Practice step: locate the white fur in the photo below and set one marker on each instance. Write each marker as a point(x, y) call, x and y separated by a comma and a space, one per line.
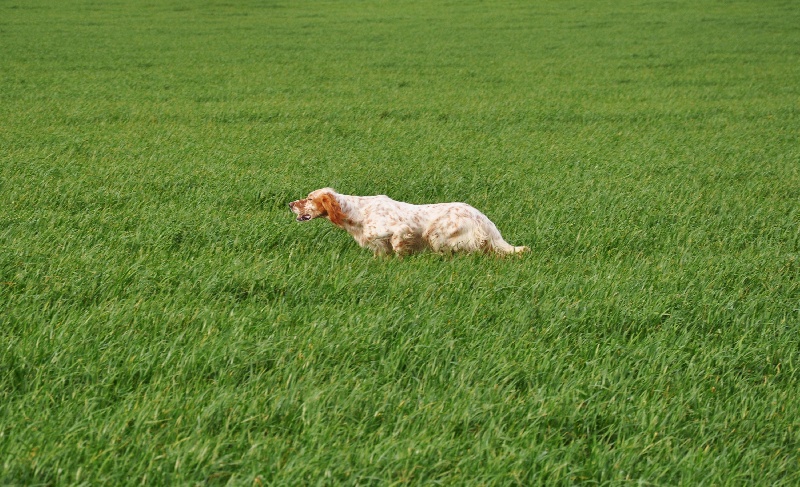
point(389, 227)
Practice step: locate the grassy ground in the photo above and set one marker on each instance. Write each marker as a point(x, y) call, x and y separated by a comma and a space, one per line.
point(163, 319)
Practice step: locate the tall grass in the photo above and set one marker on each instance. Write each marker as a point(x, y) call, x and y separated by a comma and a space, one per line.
point(164, 320)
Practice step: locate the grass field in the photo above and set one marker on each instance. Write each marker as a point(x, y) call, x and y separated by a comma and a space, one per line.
point(164, 320)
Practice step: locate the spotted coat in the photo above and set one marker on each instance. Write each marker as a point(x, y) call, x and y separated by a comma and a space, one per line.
point(389, 227)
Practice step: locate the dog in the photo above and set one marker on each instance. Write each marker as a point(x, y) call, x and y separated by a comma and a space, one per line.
point(389, 227)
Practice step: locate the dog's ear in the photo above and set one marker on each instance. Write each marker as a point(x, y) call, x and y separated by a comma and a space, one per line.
point(332, 208)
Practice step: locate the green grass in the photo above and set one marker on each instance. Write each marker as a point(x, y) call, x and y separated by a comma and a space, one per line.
point(163, 319)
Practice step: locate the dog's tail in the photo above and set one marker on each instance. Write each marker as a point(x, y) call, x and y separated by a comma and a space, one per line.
point(515, 250)
point(502, 247)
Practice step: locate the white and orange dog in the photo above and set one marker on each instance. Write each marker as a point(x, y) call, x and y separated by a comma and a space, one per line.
point(390, 227)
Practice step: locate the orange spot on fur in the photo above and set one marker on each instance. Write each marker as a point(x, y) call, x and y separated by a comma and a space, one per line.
point(332, 208)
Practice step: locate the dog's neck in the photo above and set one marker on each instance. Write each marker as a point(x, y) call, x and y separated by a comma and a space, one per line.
point(353, 220)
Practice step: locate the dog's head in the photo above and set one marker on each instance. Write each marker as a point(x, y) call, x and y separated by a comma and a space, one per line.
point(319, 203)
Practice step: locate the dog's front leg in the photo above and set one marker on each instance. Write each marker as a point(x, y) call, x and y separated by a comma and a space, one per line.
point(381, 247)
